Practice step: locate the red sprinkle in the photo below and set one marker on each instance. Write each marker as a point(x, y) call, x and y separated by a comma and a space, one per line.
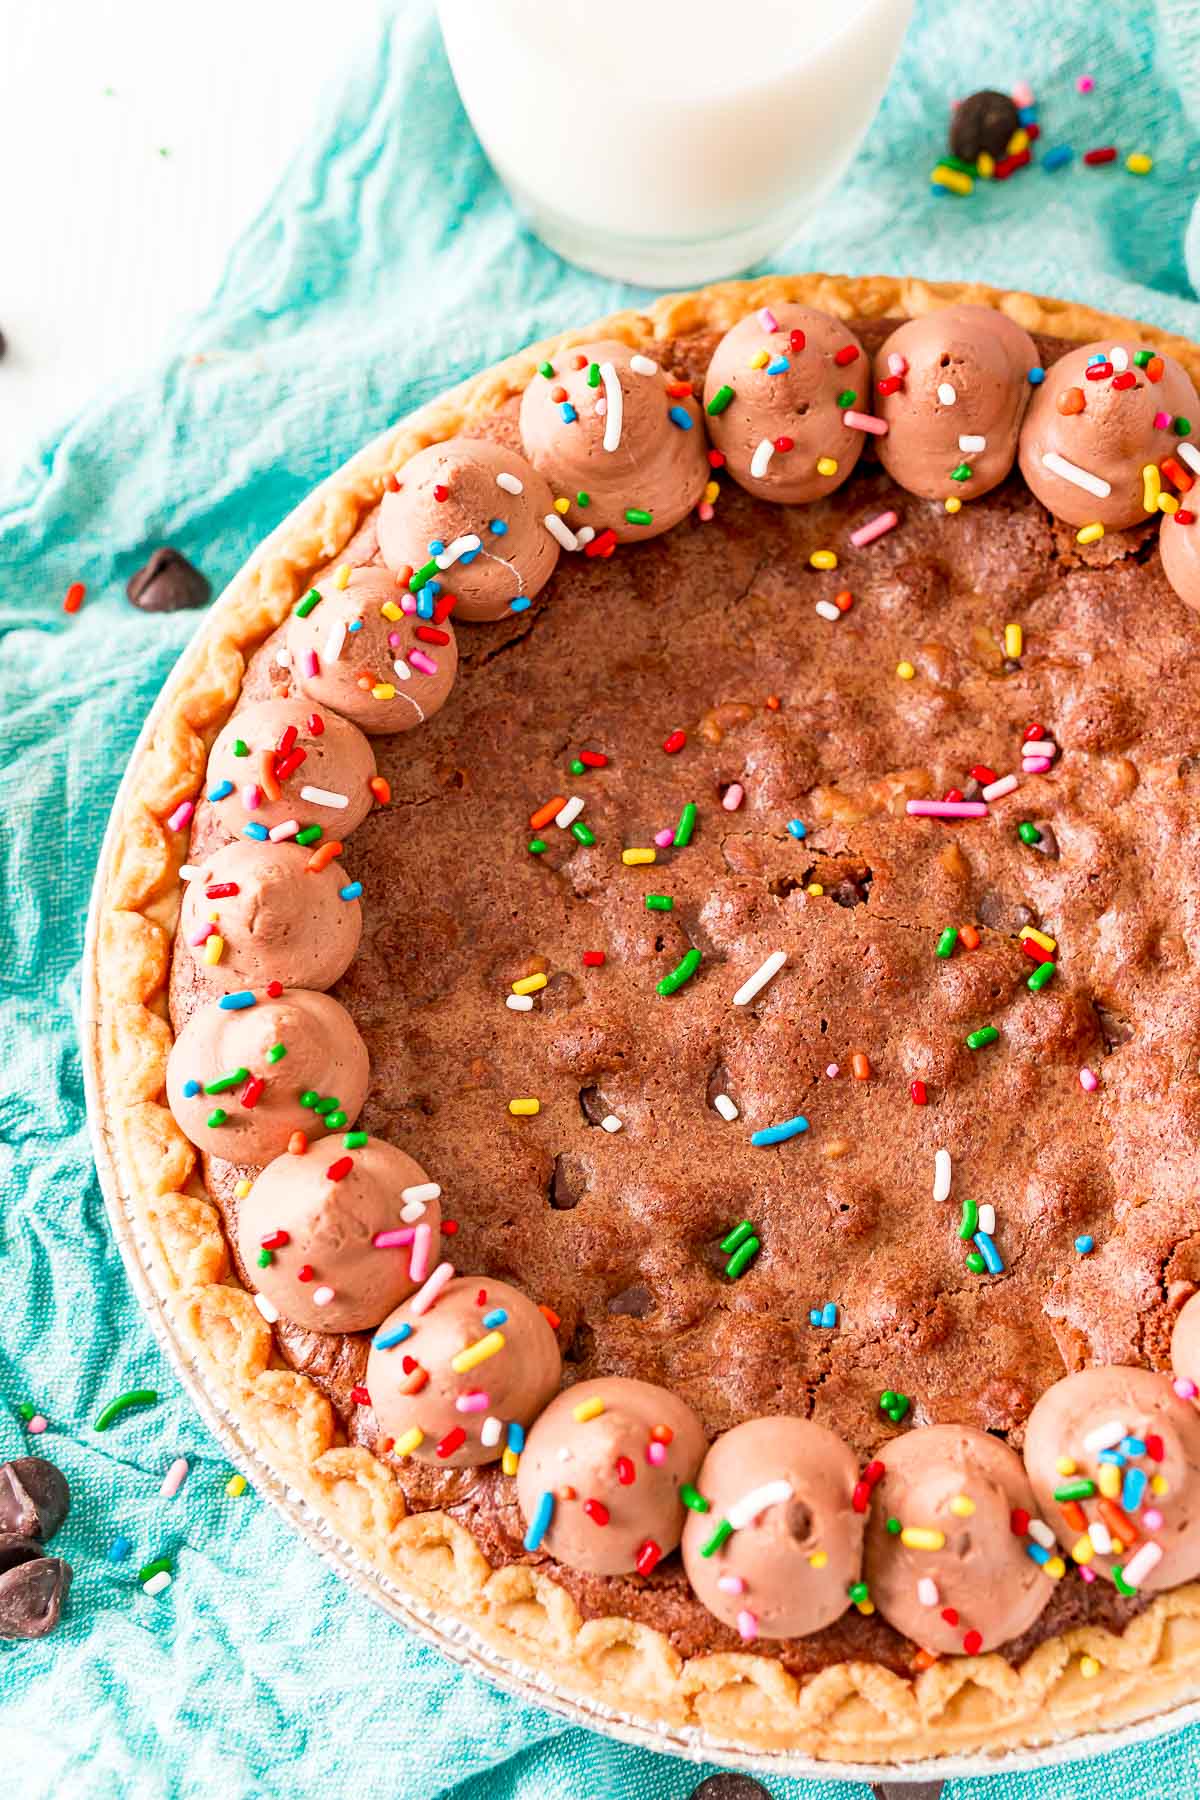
point(579, 361)
point(275, 1240)
point(551, 1317)
point(716, 459)
point(1154, 1447)
point(1031, 731)
point(784, 444)
point(393, 485)
point(954, 794)
point(337, 1171)
point(1018, 1521)
point(861, 1496)
point(440, 492)
point(648, 1557)
point(316, 725)
point(596, 1511)
point(1098, 371)
point(1183, 516)
point(593, 959)
point(75, 597)
point(429, 634)
point(481, 1297)
point(874, 1471)
point(1126, 379)
point(603, 545)
point(919, 1096)
point(593, 759)
point(1029, 948)
point(1009, 164)
point(1105, 154)
point(674, 743)
point(304, 1272)
point(679, 390)
point(252, 1092)
point(221, 890)
point(449, 1227)
point(274, 989)
point(287, 765)
point(443, 607)
point(359, 1396)
point(950, 1614)
point(286, 740)
point(846, 355)
point(982, 773)
point(891, 384)
point(1033, 132)
point(626, 1473)
point(453, 1440)
point(973, 1643)
point(796, 341)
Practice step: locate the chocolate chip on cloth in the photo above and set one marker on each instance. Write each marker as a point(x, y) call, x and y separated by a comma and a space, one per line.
point(34, 1498)
point(168, 583)
point(728, 1786)
point(33, 1587)
point(984, 122)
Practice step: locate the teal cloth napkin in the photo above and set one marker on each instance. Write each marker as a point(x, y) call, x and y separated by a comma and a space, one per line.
point(387, 265)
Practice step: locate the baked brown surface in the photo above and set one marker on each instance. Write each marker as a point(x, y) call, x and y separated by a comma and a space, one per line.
point(612, 656)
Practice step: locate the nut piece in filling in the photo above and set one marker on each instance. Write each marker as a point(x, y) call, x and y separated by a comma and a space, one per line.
point(1114, 1457)
point(1102, 433)
point(335, 1238)
point(779, 1545)
point(459, 1372)
point(785, 396)
point(259, 913)
point(250, 1070)
point(947, 1555)
point(615, 1457)
point(368, 652)
point(281, 766)
point(952, 388)
point(618, 438)
point(1179, 547)
point(472, 516)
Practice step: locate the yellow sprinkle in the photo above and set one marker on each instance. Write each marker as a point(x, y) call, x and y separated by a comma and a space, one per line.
point(1014, 641)
point(509, 1461)
point(1109, 1480)
point(242, 1188)
point(827, 465)
point(818, 1559)
point(524, 1109)
point(631, 857)
point(562, 504)
point(1018, 141)
point(760, 359)
point(384, 690)
point(1090, 534)
point(1056, 1568)
point(1159, 1485)
point(1151, 487)
point(391, 611)
point(404, 1446)
point(213, 948)
point(1065, 1465)
point(1139, 163)
point(474, 1354)
point(1118, 1544)
point(235, 1485)
point(985, 165)
point(529, 984)
point(587, 1409)
point(815, 889)
point(1088, 1666)
point(342, 578)
point(905, 671)
point(922, 1537)
point(953, 504)
point(1168, 503)
point(954, 179)
point(1084, 1550)
point(823, 559)
point(865, 1607)
point(712, 490)
point(962, 1506)
point(1047, 943)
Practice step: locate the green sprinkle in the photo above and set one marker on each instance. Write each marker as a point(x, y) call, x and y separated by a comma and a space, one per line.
point(637, 515)
point(26, 1411)
point(161, 1567)
point(1082, 1489)
point(858, 1591)
point(546, 369)
point(216, 1117)
point(723, 1532)
point(583, 834)
point(693, 1499)
point(970, 1221)
point(335, 1120)
point(1028, 832)
point(719, 401)
point(737, 1236)
point(683, 971)
point(947, 941)
point(894, 1527)
point(1142, 357)
point(240, 747)
point(311, 599)
point(1182, 427)
point(593, 375)
point(1120, 1583)
point(583, 498)
point(223, 1083)
point(327, 1105)
point(846, 398)
point(420, 576)
point(536, 846)
point(962, 473)
point(577, 768)
point(741, 1259)
point(355, 1140)
point(265, 1259)
point(309, 1097)
point(659, 903)
point(1042, 975)
point(135, 1397)
point(276, 1053)
point(685, 827)
point(987, 1034)
point(975, 1262)
point(956, 162)
point(309, 835)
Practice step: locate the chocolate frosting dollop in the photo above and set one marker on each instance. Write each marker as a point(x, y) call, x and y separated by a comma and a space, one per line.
point(1104, 431)
point(786, 1485)
point(783, 434)
point(614, 1453)
point(960, 1486)
point(323, 1060)
point(34, 1497)
point(618, 436)
point(471, 489)
point(325, 756)
point(958, 402)
point(1179, 547)
point(1125, 1428)
point(330, 1205)
point(500, 1395)
point(361, 652)
point(286, 921)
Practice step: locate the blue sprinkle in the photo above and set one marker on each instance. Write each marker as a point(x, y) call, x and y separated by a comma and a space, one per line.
point(425, 602)
point(942, 193)
point(569, 417)
point(539, 1525)
point(1027, 115)
point(435, 587)
point(989, 1253)
point(468, 556)
point(436, 546)
point(190, 1089)
point(1035, 377)
point(1098, 358)
point(236, 1002)
point(680, 416)
point(1132, 1489)
point(1112, 1456)
point(797, 828)
point(1058, 158)
point(120, 1547)
point(1086, 1244)
point(256, 831)
point(351, 891)
point(496, 1317)
point(1133, 1446)
point(779, 1134)
point(388, 1342)
point(355, 625)
point(222, 790)
point(814, 1315)
point(1038, 1552)
point(520, 603)
point(780, 366)
point(516, 1436)
point(498, 528)
point(829, 1315)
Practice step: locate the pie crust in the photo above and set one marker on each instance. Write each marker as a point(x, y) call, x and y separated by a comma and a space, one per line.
point(851, 1712)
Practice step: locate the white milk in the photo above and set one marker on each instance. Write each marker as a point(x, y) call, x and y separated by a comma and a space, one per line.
point(670, 141)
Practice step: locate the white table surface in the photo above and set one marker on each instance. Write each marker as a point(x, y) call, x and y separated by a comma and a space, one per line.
point(105, 242)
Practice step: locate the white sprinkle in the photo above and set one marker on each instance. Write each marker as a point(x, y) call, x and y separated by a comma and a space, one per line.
point(585, 534)
point(897, 364)
point(1101, 1537)
point(289, 829)
point(461, 546)
point(283, 657)
point(335, 642)
point(322, 1296)
point(421, 1190)
point(1119, 358)
point(612, 410)
point(562, 532)
point(512, 484)
point(1142, 1562)
point(412, 1212)
point(996, 790)
point(827, 610)
point(1041, 1534)
point(744, 1511)
point(1040, 747)
point(324, 797)
point(946, 394)
point(489, 1434)
point(157, 1583)
point(174, 1479)
point(519, 1002)
point(941, 1174)
point(970, 446)
point(760, 978)
point(1190, 455)
point(927, 1592)
point(733, 796)
point(761, 458)
point(641, 365)
point(569, 813)
point(987, 1218)
point(1106, 1436)
point(402, 669)
point(191, 872)
point(611, 1123)
point(1080, 478)
point(267, 1308)
point(725, 1107)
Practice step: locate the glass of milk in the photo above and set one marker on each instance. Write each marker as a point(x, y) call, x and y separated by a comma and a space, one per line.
point(670, 141)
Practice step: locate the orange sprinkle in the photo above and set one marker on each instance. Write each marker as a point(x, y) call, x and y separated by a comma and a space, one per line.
point(393, 484)
point(566, 1492)
point(1118, 1522)
point(1071, 400)
point(404, 575)
point(74, 598)
point(323, 855)
point(381, 789)
point(1074, 1514)
point(544, 814)
point(844, 601)
point(551, 1317)
point(860, 1066)
point(416, 1381)
point(1154, 369)
point(773, 702)
point(662, 1434)
point(266, 775)
point(297, 1144)
point(679, 390)
point(969, 937)
point(1175, 473)
point(924, 1659)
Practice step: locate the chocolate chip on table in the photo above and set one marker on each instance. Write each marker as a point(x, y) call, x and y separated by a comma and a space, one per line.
point(34, 1497)
point(31, 1594)
point(985, 121)
point(730, 1787)
point(168, 583)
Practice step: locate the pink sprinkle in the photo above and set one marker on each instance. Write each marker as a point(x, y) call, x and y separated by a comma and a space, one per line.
point(322, 1296)
point(394, 640)
point(1152, 1519)
point(38, 1424)
point(1185, 1389)
point(290, 828)
point(311, 665)
point(1035, 765)
point(424, 1298)
point(408, 603)
point(175, 1477)
point(392, 1240)
point(663, 838)
point(947, 809)
point(747, 1626)
point(731, 1584)
point(1087, 1081)
point(874, 528)
point(182, 815)
point(419, 660)
point(1161, 421)
point(733, 797)
point(864, 422)
point(1085, 84)
point(767, 319)
point(1086, 1574)
point(656, 1453)
point(418, 1262)
point(705, 510)
point(251, 796)
point(1022, 94)
point(897, 364)
point(202, 936)
point(475, 1401)
point(832, 1070)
